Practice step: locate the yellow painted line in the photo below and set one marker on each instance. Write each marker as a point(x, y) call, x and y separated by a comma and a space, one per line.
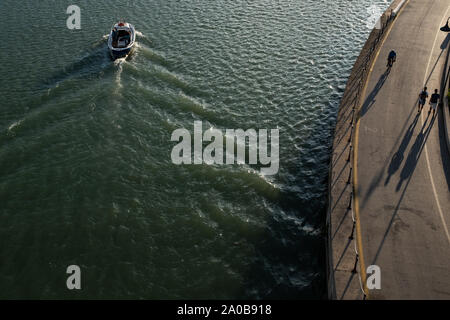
point(355, 160)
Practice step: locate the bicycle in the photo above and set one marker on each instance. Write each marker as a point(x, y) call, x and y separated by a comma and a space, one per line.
point(390, 62)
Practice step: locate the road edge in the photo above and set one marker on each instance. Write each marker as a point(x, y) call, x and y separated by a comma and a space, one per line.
point(445, 100)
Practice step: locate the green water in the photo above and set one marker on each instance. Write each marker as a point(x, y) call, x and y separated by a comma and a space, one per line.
point(86, 176)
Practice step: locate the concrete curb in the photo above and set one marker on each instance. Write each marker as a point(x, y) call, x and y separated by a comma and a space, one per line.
point(397, 9)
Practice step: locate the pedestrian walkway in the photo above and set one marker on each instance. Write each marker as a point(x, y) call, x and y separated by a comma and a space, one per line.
point(403, 176)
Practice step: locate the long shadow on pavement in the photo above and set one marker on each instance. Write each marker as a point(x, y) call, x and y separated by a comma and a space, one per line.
point(414, 153)
point(443, 147)
point(444, 43)
point(376, 180)
point(370, 100)
point(443, 46)
point(398, 157)
point(441, 125)
point(406, 174)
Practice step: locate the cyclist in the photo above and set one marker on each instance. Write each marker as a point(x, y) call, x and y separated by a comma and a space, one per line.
point(391, 58)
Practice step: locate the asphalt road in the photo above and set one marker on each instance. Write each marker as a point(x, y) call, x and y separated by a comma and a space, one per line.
point(403, 164)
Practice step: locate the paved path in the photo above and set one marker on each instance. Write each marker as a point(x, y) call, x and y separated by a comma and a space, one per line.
point(403, 163)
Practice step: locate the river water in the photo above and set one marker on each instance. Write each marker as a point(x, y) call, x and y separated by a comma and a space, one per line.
point(86, 176)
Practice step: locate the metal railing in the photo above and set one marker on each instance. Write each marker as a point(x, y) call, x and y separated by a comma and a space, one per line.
point(360, 76)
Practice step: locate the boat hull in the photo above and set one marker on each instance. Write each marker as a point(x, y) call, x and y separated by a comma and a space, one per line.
point(121, 52)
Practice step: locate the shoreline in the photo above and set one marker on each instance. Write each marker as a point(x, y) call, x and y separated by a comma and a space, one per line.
point(341, 262)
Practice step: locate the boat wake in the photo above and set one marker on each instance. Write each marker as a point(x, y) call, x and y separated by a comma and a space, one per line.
point(91, 64)
point(119, 64)
point(151, 54)
point(143, 38)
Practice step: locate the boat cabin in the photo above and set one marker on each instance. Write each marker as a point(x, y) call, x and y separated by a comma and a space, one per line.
point(121, 36)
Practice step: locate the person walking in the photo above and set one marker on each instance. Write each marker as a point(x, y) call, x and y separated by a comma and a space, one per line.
point(434, 101)
point(422, 99)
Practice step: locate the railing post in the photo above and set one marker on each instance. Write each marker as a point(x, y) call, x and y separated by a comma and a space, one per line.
point(350, 137)
point(353, 230)
point(356, 263)
point(350, 176)
point(350, 155)
point(349, 207)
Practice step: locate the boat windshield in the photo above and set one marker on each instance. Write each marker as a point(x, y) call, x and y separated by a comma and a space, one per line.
point(121, 38)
